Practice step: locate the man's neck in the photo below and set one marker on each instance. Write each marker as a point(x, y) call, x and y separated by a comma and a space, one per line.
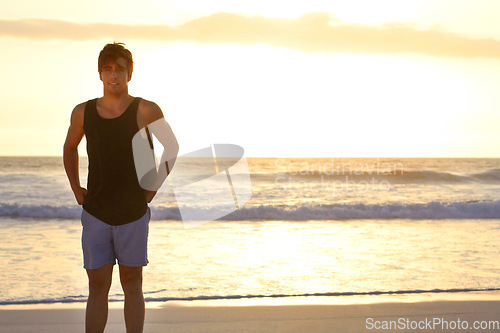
point(116, 100)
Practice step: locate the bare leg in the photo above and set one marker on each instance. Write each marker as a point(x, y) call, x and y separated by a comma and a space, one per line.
point(96, 315)
point(131, 280)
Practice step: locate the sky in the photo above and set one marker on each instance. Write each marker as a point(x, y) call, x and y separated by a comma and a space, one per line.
point(318, 78)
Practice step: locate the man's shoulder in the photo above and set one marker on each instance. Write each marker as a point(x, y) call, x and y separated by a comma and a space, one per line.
point(78, 112)
point(149, 106)
point(149, 110)
point(80, 107)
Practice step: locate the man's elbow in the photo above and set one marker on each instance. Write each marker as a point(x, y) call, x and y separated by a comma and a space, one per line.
point(69, 148)
point(176, 148)
point(172, 150)
point(172, 156)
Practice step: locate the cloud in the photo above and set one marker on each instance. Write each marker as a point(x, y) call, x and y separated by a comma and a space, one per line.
point(311, 33)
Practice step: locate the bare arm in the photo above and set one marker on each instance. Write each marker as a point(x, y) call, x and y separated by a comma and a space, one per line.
point(149, 113)
point(70, 152)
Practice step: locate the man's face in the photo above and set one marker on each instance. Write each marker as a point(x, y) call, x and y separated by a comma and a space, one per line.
point(114, 75)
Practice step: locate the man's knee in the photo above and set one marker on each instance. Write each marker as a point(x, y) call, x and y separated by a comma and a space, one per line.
point(131, 279)
point(100, 279)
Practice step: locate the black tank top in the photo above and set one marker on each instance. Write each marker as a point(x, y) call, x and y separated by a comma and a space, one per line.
point(114, 195)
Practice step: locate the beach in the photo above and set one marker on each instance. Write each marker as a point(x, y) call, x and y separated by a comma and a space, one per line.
point(322, 246)
point(305, 166)
point(438, 313)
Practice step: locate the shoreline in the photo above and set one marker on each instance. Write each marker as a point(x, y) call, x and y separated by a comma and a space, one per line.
point(287, 300)
point(483, 295)
point(301, 314)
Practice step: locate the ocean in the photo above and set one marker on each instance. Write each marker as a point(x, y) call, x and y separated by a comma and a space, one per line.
point(313, 226)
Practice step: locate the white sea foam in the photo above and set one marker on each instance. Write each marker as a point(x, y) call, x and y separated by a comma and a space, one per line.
point(432, 210)
point(119, 298)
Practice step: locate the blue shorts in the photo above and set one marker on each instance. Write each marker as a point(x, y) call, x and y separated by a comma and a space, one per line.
point(103, 243)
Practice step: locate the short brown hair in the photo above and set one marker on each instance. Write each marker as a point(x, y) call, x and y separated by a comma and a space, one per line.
point(113, 51)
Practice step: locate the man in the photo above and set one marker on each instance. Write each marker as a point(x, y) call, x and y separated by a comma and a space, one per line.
point(115, 213)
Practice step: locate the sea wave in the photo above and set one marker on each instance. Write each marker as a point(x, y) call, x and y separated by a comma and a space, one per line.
point(393, 176)
point(119, 298)
point(431, 210)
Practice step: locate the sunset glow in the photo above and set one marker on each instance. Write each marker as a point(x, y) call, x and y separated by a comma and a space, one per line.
point(322, 78)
